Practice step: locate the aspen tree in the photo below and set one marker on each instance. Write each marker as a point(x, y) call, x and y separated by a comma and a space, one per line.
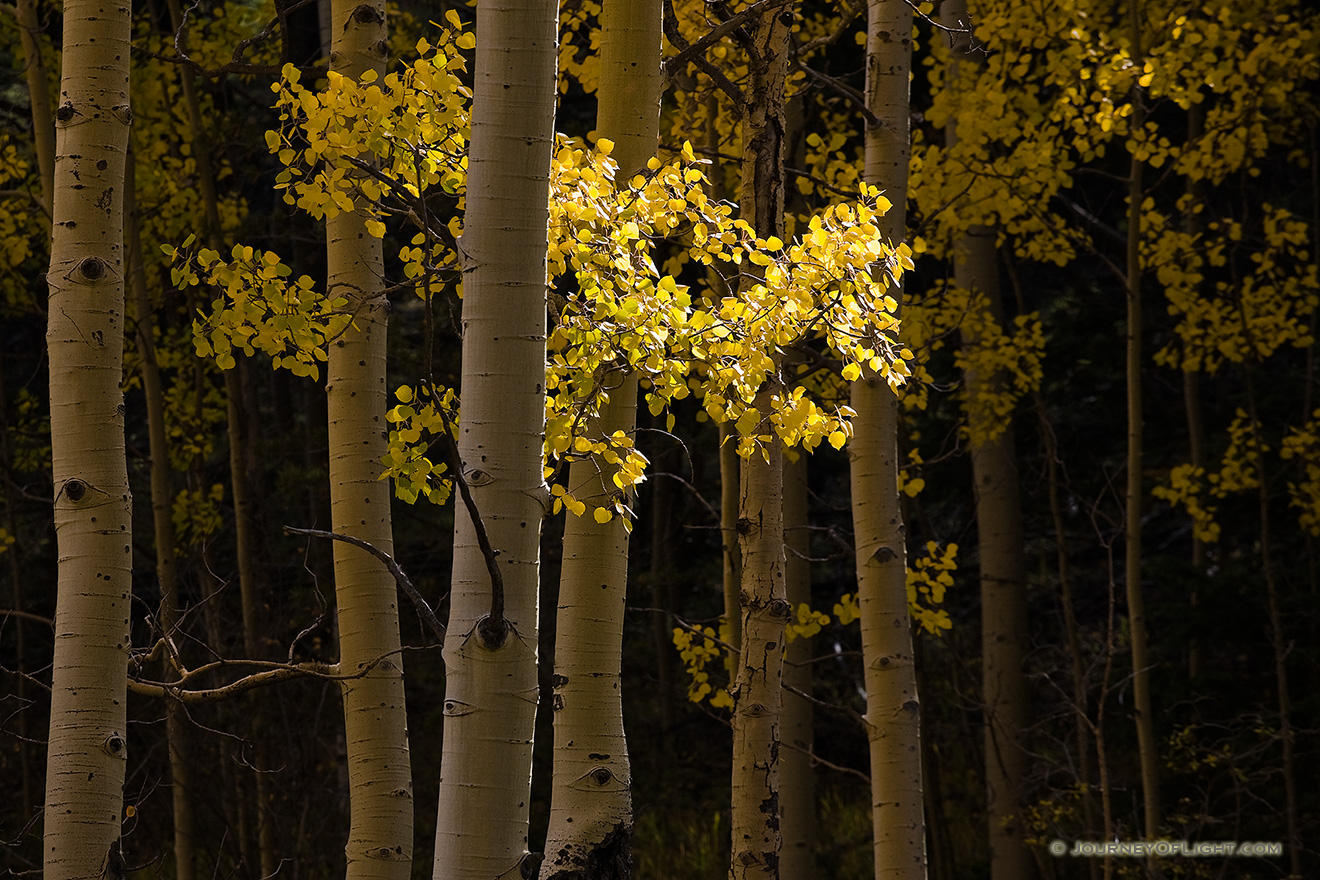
point(998, 529)
point(43, 123)
point(1142, 713)
point(591, 801)
point(162, 517)
point(757, 689)
point(490, 648)
point(892, 711)
point(380, 836)
point(87, 746)
point(242, 452)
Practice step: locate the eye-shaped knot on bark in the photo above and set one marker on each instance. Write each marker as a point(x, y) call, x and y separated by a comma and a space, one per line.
point(115, 745)
point(756, 710)
point(366, 14)
point(123, 113)
point(478, 477)
point(75, 490)
point(89, 270)
point(598, 779)
point(780, 610)
point(66, 113)
point(458, 707)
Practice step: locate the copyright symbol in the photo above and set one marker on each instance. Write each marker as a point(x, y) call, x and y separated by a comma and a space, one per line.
point(1058, 848)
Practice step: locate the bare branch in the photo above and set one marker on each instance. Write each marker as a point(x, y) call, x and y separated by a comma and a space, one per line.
point(717, 76)
point(427, 613)
point(715, 34)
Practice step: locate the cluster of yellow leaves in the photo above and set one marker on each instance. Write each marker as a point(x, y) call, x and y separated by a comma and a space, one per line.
point(1303, 445)
point(196, 514)
point(411, 127)
point(389, 146)
point(697, 653)
point(6, 540)
point(1245, 319)
point(407, 460)
point(579, 45)
point(927, 582)
point(805, 623)
point(1191, 487)
point(257, 308)
point(1001, 368)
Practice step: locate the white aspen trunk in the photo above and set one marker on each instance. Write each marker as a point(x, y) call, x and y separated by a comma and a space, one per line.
point(380, 836)
point(892, 712)
point(490, 651)
point(797, 782)
point(757, 838)
point(591, 800)
point(87, 746)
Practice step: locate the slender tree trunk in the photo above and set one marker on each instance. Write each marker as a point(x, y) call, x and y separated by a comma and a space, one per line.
point(241, 451)
point(892, 711)
point(1192, 396)
point(1141, 702)
point(490, 649)
point(797, 779)
point(22, 724)
point(38, 82)
point(162, 513)
point(87, 746)
point(999, 538)
point(590, 834)
point(1003, 588)
point(380, 837)
point(757, 690)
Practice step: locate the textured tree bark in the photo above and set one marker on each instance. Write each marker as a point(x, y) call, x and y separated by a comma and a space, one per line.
point(892, 712)
point(380, 837)
point(758, 685)
point(797, 779)
point(490, 652)
point(87, 746)
point(590, 833)
point(162, 513)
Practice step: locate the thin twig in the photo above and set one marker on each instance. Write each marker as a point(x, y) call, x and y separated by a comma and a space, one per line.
point(423, 609)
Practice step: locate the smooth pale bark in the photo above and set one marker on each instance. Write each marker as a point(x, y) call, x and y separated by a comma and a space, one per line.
point(492, 689)
point(758, 684)
point(892, 712)
point(591, 801)
point(87, 746)
point(797, 779)
point(380, 837)
point(167, 573)
point(1142, 714)
point(591, 804)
